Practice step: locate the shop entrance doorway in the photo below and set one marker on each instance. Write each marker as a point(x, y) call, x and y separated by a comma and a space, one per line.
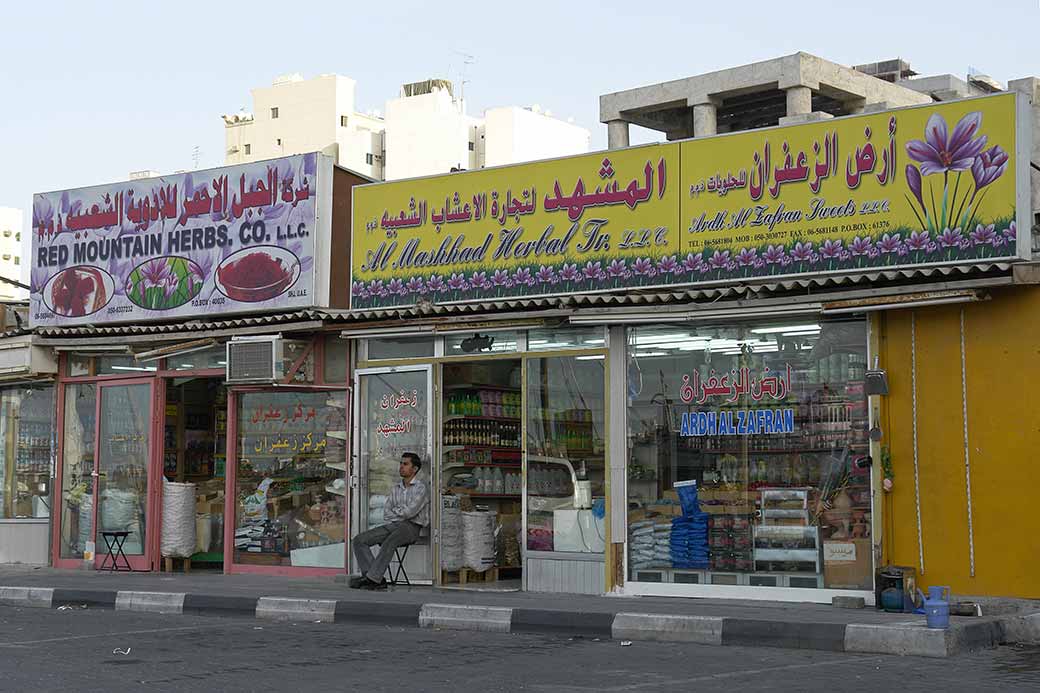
point(195, 452)
point(481, 474)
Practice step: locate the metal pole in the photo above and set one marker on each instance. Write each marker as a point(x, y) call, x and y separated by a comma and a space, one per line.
point(967, 457)
point(917, 477)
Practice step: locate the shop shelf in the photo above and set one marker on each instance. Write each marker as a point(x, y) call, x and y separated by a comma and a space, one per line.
point(475, 386)
point(448, 448)
point(501, 465)
point(458, 490)
point(338, 435)
point(342, 466)
point(468, 417)
point(337, 491)
point(337, 403)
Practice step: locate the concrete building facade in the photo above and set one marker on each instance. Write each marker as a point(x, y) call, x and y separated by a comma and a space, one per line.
point(11, 220)
point(426, 129)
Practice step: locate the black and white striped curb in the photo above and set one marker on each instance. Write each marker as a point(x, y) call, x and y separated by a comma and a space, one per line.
point(909, 638)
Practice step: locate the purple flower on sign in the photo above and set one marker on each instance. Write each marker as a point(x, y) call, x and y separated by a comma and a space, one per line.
point(831, 249)
point(668, 265)
point(845, 255)
point(415, 285)
point(643, 267)
point(594, 270)
point(546, 275)
point(376, 288)
point(989, 166)
point(502, 278)
point(617, 269)
point(873, 253)
point(785, 261)
point(38, 277)
point(693, 262)
point(917, 240)
point(1011, 231)
point(435, 284)
point(801, 251)
point(889, 243)
point(965, 243)
point(129, 286)
point(932, 246)
point(747, 257)
point(154, 272)
point(480, 280)
point(569, 272)
point(998, 241)
point(861, 246)
point(950, 238)
point(364, 292)
point(983, 235)
point(941, 152)
point(902, 250)
point(719, 259)
point(731, 265)
point(774, 254)
point(523, 277)
point(170, 284)
point(396, 287)
point(355, 288)
point(458, 282)
point(913, 180)
point(759, 263)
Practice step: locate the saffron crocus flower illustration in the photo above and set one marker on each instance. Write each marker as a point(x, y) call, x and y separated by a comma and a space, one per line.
point(617, 269)
point(480, 280)
point(918, 240)
point(38, 277)
point(569, 272)
point(889, 243)
point(415, 285)
point(989, 166)
point(643, 267)
point(941, 151)
point(719, 259)
point(983, 235)
point(545, 275)
point(1011, 231)
point(802, 251)
point(355, 288)
point(170, 285)
point(435, 284)
point(502, 278)
point(913, 181)
point(154, 272)
point(594, 270)
point(774, 254)
point(668, 265)
point(376, 288)
point(830, 249)
point(523, 277)
point(396, 287)
point(457, 282)
point(759, 263)
point(845, 255)
point(950, 238)
point(746, 257)
point(861, 246)
point(693, 262)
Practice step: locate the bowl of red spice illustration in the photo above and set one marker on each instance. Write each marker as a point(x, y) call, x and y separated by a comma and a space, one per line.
point(78, 291)
point(258, 274)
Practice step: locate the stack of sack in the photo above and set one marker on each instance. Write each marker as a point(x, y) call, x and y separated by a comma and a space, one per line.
point(689, 538)
point(663, 544)
point(478, 540)
point(451, 533)
point(641, 544)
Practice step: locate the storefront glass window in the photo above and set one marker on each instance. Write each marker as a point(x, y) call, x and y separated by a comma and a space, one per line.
point(480, 343)
point(290, 481)
point(124, 437)
point(385, 348)
point(122, 365)
point(336, 355)
point(566, 442)
point(743, 449)
point(214, 357)
point(77, 485)
point(26, 425)
point(569, 338)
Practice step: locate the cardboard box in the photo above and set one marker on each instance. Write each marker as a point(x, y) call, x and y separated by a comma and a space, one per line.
point(847, 564)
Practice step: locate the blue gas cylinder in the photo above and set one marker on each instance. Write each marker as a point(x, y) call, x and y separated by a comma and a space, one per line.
point(937, 607)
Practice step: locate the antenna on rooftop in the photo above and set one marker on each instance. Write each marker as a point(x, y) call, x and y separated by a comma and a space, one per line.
point(467, 60)
point(196, 154)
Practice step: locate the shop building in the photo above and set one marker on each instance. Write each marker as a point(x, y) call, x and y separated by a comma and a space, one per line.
point(710, 370)
point(201, 402)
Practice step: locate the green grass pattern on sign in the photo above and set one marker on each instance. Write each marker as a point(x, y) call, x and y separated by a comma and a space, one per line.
point(141, 293)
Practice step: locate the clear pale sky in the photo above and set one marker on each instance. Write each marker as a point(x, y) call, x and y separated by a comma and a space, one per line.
point(91, 91)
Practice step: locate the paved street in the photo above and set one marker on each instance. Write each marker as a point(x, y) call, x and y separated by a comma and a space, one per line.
point(83, 650)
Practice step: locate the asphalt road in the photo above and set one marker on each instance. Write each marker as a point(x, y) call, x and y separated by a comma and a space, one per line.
point(100, 650)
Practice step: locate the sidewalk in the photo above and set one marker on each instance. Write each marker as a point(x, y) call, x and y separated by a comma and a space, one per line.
point(708, 621)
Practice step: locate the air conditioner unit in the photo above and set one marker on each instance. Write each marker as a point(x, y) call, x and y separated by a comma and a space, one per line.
point(258, 359)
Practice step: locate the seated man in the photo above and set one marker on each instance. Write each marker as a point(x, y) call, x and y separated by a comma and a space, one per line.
point(406, 512)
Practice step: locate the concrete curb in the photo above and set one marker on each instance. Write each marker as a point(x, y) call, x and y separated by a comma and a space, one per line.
point(900, 638)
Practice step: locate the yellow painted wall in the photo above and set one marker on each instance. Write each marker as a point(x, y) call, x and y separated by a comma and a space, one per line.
point(1002, 347)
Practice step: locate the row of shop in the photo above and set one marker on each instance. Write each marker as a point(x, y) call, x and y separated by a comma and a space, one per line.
point(610, 390)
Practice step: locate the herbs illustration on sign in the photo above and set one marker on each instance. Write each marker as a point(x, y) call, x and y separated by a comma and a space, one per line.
point(164, 282)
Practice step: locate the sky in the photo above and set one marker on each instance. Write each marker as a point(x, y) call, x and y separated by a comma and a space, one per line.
point(92, 91)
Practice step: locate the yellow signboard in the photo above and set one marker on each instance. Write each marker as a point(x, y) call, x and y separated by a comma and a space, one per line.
point(582, 223)
point(926, 185)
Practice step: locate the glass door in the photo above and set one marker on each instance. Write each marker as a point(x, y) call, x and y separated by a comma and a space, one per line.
point(122, 479)
point(394, 409)
point(566, 441)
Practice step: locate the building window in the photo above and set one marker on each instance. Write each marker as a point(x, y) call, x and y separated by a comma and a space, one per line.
point(18, 236)
point(369, 159)
point(278, 141)
point(343, 121)
point(274, 113)
point(17, 260)
point(471, 146)
point(27, 425)
point(7, 233)
point(247, 150)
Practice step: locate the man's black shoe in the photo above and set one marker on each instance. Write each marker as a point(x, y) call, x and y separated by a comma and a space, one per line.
point(368, 584)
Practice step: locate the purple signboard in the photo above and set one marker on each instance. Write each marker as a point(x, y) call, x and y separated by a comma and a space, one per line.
point(236, 239)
